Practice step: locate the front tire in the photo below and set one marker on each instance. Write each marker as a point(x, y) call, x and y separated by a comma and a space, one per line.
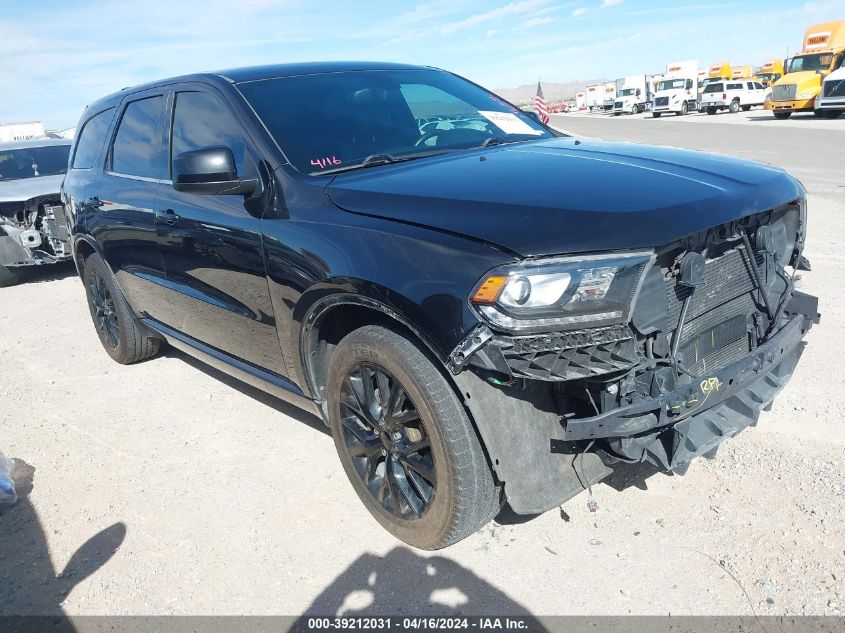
point(746, 108)
point(119, 331)
point(8, 277)
point(405, 441)
point(656, 115)
point(780, 115)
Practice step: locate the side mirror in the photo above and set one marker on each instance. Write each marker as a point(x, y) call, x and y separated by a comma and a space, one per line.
point(639, 92)
point(533, 114)
point(210, 171)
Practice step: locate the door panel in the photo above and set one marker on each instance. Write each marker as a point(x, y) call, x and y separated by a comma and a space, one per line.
point(121, 207)
point(212, 246)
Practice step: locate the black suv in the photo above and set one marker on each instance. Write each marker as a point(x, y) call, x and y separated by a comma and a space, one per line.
point(480, 308)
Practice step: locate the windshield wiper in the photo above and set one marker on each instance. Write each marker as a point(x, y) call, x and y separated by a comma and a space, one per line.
point(374, 160)
point(493, 140)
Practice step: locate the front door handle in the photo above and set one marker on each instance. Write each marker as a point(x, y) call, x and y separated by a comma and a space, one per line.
point(167, 216)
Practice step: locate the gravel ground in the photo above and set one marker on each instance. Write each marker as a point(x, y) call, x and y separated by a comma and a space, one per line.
point(169, 488)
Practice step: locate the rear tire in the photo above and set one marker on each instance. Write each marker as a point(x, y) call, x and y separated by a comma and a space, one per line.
point(782, 116)
point(733, 108)
point(375, 427)
point(656, 115)
point(711, 110)
point(120, 333)
point(746, 108)
point(8, 277)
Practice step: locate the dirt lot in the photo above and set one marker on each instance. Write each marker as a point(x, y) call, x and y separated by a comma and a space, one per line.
point(199, 495)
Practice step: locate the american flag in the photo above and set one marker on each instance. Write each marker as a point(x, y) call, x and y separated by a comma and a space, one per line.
point(540, 106)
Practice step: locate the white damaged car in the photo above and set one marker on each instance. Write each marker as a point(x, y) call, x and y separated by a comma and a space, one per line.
point(33, 228)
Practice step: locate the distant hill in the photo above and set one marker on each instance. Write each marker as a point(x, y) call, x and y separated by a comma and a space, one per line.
point(552, 91)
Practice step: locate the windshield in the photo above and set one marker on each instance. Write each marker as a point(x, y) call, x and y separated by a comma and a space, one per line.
point(628, 92)
point(713, 88)
point(671, 84)
point(768, 77)
point(30, 162)
point(819, 61)
point(327, 122)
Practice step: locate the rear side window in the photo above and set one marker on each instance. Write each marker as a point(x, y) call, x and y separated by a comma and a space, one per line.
point(202, 120)
point(714, 88)
point(734, 86)
point(137, 145)
point(91, 139)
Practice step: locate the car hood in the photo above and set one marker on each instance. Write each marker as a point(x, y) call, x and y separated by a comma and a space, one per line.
point(26, 188)
point(566, 195)
point(836, 75)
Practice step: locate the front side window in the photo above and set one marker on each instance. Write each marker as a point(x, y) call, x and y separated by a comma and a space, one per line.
point(202, 120)
point(137, 145)
point(91, 139)
point(32, 162)
point(326, 122)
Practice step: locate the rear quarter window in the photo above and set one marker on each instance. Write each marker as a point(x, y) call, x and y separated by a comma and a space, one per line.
point(714, 88)
point(136, 150)
point(91, 139)
point(734, 86)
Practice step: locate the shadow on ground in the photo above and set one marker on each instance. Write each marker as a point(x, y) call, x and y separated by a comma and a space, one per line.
point(29, 584)
point(45, 273)
point(404, 583)
point(248, 390)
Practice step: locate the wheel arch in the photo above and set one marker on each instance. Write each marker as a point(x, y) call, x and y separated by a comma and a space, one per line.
point(83, 248)
point(335, 316)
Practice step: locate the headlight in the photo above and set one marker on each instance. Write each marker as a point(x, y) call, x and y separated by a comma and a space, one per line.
point(562, 292)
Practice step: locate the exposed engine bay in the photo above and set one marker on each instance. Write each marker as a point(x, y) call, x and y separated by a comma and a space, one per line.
point(33, 232)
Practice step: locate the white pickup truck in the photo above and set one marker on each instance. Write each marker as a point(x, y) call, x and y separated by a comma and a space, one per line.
point(732, 95)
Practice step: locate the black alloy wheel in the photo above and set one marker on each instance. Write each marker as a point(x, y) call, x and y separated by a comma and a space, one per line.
point(387, 441)
point(103, 311)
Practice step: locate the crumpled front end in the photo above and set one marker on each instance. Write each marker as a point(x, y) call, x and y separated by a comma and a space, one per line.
point(715, 331)
point(33, 231)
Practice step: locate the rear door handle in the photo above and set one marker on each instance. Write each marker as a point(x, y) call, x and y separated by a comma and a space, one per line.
point(167, 216)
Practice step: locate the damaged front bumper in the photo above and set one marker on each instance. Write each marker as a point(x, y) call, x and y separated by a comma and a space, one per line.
point(545, 456)
point(676, 427)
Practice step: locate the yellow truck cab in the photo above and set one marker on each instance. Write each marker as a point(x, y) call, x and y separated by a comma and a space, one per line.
point(769, 72)
point(741, 72)
point(796, 91)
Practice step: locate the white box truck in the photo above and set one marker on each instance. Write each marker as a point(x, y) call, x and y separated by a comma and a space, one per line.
point(11, 132)
point(608, 95)
point(580, 100)
point(633, 97)
point(593, 96)
point(677, 92)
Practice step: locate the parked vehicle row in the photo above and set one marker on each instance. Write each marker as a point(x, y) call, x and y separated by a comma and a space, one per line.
point(797, 85)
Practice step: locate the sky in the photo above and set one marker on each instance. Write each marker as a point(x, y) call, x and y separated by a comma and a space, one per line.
point(58, 56)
